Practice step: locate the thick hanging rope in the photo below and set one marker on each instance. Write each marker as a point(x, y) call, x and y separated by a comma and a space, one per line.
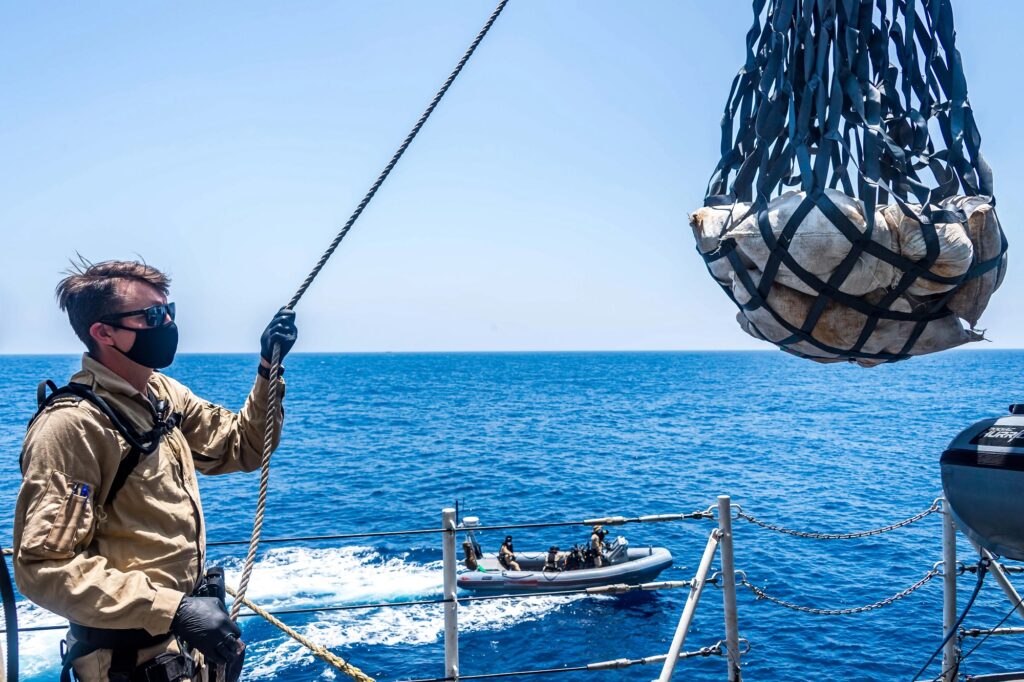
point(275, 368)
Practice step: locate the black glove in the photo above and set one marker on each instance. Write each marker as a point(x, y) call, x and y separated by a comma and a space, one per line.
point(233, 670)
point(204, 623)
point(282, 331)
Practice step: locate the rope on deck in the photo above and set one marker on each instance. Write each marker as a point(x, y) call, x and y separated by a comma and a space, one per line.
point(317, 650)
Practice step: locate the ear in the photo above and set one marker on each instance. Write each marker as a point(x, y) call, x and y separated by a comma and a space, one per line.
point(102, 334)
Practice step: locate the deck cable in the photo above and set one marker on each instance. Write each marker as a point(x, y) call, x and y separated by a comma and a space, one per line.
point(716, 649)
point(604, 521)
point(275, 362)
point(620, 588)
point(983, 564)
point(986, 635)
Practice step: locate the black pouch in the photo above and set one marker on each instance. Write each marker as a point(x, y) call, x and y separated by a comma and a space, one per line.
point(167, 667)
point(212, 585)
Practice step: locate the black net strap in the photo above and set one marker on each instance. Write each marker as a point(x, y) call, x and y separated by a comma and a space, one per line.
point(848, 95)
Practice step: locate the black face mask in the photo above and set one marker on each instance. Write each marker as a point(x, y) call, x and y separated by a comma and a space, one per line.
point(154, 347)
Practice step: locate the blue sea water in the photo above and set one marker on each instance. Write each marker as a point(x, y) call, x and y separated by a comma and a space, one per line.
point(385, 441)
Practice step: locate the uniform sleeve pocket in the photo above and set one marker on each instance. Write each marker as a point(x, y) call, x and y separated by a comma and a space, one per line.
point(62, 520)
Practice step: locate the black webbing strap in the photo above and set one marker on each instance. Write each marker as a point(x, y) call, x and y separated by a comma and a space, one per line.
point(125, 646)
point(842, 94)
point(139, 444)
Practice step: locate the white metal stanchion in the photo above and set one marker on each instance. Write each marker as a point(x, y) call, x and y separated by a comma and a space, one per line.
point(696, 587)
point(451, 607)
point(950, 652)
point(728, 577)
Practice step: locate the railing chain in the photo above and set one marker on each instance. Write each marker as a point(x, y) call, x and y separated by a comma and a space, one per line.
point(834, 536)
point(761, 594)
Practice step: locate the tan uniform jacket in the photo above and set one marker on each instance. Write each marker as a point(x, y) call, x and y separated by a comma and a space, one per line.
point(127, 566)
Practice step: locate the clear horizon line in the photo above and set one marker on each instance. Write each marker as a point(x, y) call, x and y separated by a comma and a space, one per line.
point(492, 351)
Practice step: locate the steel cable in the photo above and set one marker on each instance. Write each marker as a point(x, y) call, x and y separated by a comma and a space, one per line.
point(715, 649)
point(986, 636)
point(982, 569)
point(272, 390)
point(606, 521)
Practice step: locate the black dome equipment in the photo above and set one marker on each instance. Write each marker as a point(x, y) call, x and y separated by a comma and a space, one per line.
point(983, 480)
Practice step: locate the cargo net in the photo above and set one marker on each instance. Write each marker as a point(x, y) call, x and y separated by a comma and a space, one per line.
point(851, 217)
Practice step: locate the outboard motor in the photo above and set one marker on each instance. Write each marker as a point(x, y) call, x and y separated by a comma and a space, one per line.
point(617, 551)
point(983, 480)
point(468, 524)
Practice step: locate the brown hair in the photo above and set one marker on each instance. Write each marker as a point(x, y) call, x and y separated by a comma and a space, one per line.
point(92, 290)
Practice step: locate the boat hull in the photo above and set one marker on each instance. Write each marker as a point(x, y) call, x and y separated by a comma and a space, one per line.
point(982, 479)
point(643, 564)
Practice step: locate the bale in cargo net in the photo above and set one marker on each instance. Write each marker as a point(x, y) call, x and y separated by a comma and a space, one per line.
point(851, 217)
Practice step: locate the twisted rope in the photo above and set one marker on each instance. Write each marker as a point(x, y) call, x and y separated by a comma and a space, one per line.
point(398, 154)
point(761, 594)
point(317, 650)
point(272, 395)
point(836, 536)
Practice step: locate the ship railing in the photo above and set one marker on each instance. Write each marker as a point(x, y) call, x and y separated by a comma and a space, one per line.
point(450, 599)
point(719, 539)
point(953, 632)
point(719, 543)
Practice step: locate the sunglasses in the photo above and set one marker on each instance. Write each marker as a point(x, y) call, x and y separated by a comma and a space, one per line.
point(155, 314)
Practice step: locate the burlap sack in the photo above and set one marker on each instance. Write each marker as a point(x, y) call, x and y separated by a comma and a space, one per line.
point(955, 249)
point(840, 326)
point(983, 229)
point(710, 224)
point(819, 247)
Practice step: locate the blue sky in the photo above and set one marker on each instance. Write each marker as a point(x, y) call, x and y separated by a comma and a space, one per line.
point(542, 207)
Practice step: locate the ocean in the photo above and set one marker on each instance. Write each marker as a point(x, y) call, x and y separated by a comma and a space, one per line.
point(378, 442)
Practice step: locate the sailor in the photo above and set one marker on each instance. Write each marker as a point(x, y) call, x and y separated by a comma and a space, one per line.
point(551, 563)
point(470, 553)
point(108, 528)
point(507, 555)
point(574, 560)
point(597, 545)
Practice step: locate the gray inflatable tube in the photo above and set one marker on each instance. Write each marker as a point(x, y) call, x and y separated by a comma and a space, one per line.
point(642, 564)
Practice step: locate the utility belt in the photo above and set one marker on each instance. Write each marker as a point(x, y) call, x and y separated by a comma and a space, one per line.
point(126, 644)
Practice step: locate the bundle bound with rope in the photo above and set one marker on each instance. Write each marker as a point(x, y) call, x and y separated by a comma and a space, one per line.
point(851, 217)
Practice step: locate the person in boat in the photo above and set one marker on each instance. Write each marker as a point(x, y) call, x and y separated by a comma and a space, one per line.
point(597, 545)
point(507, 555)
point(470, 553)
point(574, 559)
point(553, 561)
point(108, 527)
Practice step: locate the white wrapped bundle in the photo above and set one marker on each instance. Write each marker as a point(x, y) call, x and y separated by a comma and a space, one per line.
point(985, 233)
point(955, 249)
point(839, 326)
point(819, 247)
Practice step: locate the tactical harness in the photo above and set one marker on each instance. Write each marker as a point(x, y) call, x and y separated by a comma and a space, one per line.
point(139, 444)
point(125, 644)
